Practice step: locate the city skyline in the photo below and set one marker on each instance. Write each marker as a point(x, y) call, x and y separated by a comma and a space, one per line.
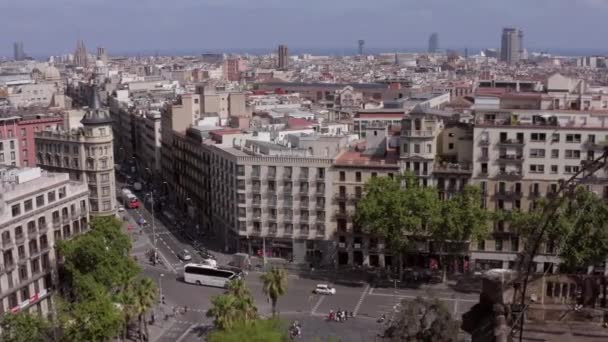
point(193, 26)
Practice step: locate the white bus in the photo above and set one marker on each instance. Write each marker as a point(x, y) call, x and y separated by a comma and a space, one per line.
point(200, 274)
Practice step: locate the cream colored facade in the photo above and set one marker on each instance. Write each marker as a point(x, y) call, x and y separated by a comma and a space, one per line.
point(87, 155)
point(520, 157)
point(37, 209)
point(350, 173)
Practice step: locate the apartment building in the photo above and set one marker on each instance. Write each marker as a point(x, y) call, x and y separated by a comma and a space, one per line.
point(351, 170)
point(37, 209)
point(86, 154)
point(151, 141)
point(520, 157)
point(251, 193)
point(17, 146)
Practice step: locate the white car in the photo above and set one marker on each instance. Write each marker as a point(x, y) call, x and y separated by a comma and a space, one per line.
point(184, 255)
point(324, 289)
point(121, 209)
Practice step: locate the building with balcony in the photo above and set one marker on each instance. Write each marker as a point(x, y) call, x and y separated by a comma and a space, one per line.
point(351, 170)
point(520, 157)
point(37, 209)
point(251, 193)
point(86, 154)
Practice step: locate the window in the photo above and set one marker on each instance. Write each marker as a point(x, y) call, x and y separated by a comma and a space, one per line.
point(481, 245)
point(537, 153)
point(571, 169)
point(498, 245)
point(538, 136)
point(537, 168)
point(358, 176)
point(12, 155)
point(451, 146)
point(342, 176)
point(107, 205)
point(1, 157)
point(554, 169)
point(23, 132)
point(554, 153)
point(24, 143)
point(62, 192)
point(28, 205)
point(105, 191)
point(573, 138)
point(374, 174)
point(105, 177)
point(16, 209)
point(514, 244)
point(572, 154)
point(429, 148)
point(12, 144)
point(416, 148)
point(51, 196)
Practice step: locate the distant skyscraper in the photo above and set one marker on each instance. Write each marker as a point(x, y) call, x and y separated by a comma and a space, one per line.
point(283, 57)
point(80, 54)
point(433, 42)
point(361, 46)
point(102, 55)
point(511, 47)
point(18, 52)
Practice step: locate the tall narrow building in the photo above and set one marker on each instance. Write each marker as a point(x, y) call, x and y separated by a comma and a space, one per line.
point(80, 54)
point(511, 47)
point(86, 154)
point(361, 46)
point(433, 43)
point(283, 57)
point(18, 52)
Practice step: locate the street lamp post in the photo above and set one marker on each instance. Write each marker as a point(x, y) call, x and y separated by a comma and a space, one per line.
point(160, 287)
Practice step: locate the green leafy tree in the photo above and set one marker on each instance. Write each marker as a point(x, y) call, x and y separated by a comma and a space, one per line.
point(422, 320)
point(274, 285)
point(25, 327)
point(146, 296)
point(257, 331)
point(244, 300)
point(577, 228)
point(102, 292)
point(102, 254)
point(398, 209)
point(96, 319)
point(462, 219)
point(224, 311)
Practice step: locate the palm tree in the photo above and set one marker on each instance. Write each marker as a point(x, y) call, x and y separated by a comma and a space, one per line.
point(145, 294)
point(223, 310)
point(275, 285)
point(244, 301)
point(128, 306)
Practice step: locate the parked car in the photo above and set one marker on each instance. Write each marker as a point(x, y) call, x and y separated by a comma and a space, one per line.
point(324, 289)
point(184, 255)
point(205, 254)
point(121, 208)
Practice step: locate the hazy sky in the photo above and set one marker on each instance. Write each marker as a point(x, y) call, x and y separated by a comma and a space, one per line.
point(52, 26)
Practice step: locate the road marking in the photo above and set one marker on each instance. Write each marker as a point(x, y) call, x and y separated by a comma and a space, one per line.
point(314, 309)
point(182, 336)
point(371, 290)
point(413, 297)
point(363, 294)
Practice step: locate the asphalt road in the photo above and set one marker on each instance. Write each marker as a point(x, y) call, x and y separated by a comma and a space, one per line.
point(365, 301)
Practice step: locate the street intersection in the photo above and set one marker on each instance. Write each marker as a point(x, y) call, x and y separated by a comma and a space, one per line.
point(366, 302)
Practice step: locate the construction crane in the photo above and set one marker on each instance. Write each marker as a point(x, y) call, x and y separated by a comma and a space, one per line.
point(525, 259)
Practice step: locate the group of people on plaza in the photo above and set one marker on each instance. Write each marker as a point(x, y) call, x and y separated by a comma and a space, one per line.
point(338, 316)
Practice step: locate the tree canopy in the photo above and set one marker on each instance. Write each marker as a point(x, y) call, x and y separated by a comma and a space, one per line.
point(24, 327)
point(577, 227)
point(399, 210)
point(422, 320)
